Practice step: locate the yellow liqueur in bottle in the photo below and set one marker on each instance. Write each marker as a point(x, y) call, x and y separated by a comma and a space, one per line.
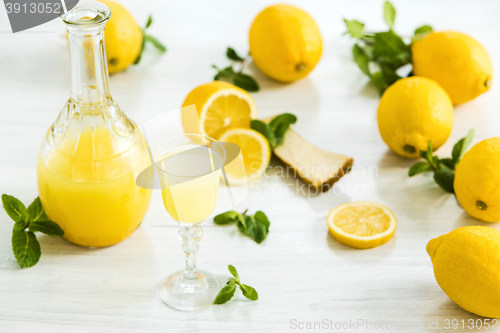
point(92, 153)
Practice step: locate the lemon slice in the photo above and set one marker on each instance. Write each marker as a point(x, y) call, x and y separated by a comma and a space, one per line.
point(255, 151)
point(220, 106)
point(361, 224)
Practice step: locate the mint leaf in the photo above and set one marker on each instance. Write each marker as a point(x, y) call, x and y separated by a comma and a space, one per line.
point(264, 129)
point(234, 273)
point(226, 293)
point(257, 226)
point(419, 167)
point(245, 82)
point(423, 29)
point(448, 162)
point(47, 227)
point(389, 14)
point(26, 248)
point(445, 177)
point(148, 38)
point(279, 125)
point(226, 218)
point(421, 32)
point(361, 59)
point(443, 168)
point(156, 43)
point(461, 146)
point(36, 212)
point(355, 28)
point(249, 292)
point(430, 157)
point(149, 22)
point(378, 81)
point(224, 74)
point(15, 209)
point(390, 49)
point(231, 54)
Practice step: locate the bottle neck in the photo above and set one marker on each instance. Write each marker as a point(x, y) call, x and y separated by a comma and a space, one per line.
point(89, 72)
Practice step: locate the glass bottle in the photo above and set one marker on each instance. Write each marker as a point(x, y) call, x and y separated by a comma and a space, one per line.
point(91, 155)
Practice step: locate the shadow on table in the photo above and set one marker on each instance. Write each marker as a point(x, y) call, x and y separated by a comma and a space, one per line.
point(467, 220)
point(371, 256)
point(126, 271)
point(399, 190)
point(450, 310)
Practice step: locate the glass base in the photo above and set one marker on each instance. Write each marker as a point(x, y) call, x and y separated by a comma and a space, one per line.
point(189, 294)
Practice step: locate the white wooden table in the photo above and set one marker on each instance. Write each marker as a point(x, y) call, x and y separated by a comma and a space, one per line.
point(301, 273)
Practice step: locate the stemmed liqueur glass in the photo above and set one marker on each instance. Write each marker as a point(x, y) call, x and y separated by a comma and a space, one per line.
point(189, 167)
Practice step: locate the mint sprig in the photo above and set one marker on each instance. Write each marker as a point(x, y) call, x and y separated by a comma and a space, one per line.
point(236, 77)
point(443, 168)
point(255, 226)
point(275, 130)
point(379, 55)
point(150, 39)
point(25, 246)
point(227, 292)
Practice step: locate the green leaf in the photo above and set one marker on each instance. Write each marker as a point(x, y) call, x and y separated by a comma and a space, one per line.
point(15, 209)
point(390, 76)
point(249, 292)
point(390, 49)
point(226, 293)
point(264, 129)
point(423, 29)
point(423, 154)
point(26, 248)
point(231, 54)
point(279, 125)
point(234, 272)
point(257, 226)
point(36, 212)
point(421, 32)
point(355, 28)
point(461, 146)
point(139, 56)
point(444, 177)
point(226, 218)
point(47, 227)
point(378, 81)
point(430, 157)
point(224, 74)
point(419, 167)
point(245, 82)
point(448, 162)
point(149, 22)
point(389, 14)
point(361, 59)
point(159, 46)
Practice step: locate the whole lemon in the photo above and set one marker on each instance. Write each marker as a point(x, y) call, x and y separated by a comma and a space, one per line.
point(123, 38)
point(413, 111)
point(285, 42)
point(477, 181)
point(466, 266)
point(456, 61)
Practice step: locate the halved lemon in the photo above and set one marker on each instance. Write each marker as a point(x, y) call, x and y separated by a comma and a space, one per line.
point(361, 224)
point(255, 151)
point(220, 106)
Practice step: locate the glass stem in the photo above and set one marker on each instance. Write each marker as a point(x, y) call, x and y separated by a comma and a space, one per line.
point(190, 236)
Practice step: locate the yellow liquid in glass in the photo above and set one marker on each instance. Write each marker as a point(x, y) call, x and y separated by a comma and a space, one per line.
point(187, 198)
point(96, 202)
